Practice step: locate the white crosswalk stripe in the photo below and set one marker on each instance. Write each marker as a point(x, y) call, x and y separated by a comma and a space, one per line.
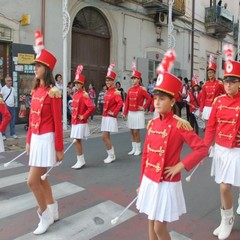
point(12, 165)
point(84, 225)
point(26, 201)
point(18, 178)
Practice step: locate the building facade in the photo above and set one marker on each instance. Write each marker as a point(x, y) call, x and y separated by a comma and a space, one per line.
point(117, 31)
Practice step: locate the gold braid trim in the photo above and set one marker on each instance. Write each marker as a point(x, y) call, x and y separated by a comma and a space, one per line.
point(55, 93)
point(183, 123)
point(1, 101)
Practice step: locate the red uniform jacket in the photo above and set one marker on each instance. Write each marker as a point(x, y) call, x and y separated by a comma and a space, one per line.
point(194, 102)
point(82, 105)
point(224, 122)
point(135, 99)
point(163, 146)
point(210, 91)
point(46, 114)
point(112, 102)
point(6, 116)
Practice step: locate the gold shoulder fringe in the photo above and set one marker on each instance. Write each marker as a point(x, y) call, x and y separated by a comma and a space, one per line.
point(216, 98)
point(1, 101)
point(183, 123)
point(117, 92)
point(54, 93)
point(148, 125)
point(85, 94)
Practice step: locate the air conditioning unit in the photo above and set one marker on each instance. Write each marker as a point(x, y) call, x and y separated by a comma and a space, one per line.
point(161, 19)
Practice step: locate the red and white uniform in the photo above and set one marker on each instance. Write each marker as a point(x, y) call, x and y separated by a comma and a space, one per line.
point(163, 145)
point(83, 106)
point(5, 119)
point(210, 91)
point(194, 101)
point(223, 126)
point(111, 107)
point(137, 96)
point(45, 133)
point(135, 99)
point(112, 102)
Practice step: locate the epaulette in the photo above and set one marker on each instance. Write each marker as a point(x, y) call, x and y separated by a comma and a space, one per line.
point(216, 98)
point(117, 92)
point(55, 93)
point(85, 94)
point(1, 101)
point(143, 88)
point(183, 123)
point(149, 122)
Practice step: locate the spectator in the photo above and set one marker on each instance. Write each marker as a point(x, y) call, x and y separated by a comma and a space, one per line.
point(8, 94)
point(92, 95)
point(59, 81)
point(100, 101)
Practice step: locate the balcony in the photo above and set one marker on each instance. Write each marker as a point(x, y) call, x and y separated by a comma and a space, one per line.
point(155, 6)
point(218, 21)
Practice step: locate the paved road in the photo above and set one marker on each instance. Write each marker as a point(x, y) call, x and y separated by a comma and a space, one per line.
point(91, 197)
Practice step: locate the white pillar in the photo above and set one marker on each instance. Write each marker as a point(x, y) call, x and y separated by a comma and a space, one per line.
point(66, 26)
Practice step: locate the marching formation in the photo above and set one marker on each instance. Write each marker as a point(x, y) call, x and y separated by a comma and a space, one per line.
point(213, 107)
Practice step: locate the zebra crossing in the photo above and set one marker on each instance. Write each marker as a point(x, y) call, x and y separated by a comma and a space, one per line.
point(84, 224)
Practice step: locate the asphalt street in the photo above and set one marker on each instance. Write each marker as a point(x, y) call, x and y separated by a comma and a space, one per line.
point(91, 197)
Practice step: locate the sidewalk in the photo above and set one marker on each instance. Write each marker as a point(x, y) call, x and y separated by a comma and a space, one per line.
point(94, 125)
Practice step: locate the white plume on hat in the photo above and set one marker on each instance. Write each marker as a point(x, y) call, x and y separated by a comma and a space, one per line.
point(38, 42)
point(110, 68)
point(134, 68)
point(165, 65)
point(228, 52)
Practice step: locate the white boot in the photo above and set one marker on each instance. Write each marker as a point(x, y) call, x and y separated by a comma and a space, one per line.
point(225, 228)
point(46, 219)
point(238, 209)
point(80, 162)
point(133, 148)
point(111, 156)
point(138, 150)
point(54, 210)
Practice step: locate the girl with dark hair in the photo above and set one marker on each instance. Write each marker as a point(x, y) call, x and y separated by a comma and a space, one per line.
point(44, 142)
point(160, 195)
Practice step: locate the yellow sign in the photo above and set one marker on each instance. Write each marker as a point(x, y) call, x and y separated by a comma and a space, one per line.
point(24, 58)
point(25, 20)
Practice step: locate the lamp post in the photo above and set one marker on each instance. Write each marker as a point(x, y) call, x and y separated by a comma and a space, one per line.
point(66, 26)
point(171, 39)
point(192, 45)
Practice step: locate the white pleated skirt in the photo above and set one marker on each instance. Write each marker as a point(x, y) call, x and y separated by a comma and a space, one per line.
point(80, 131)
point(109, 124)
point(206, 112)
point(162, 201)
point(42, 150)
point(226, 165)
point(136, 120)
point(1, 143)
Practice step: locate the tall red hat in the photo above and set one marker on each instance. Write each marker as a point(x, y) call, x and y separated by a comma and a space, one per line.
point(211, 64)
point(167, 82)
point(111, 74)
point(231, 68)
point(78, 76)
point(135, 73)
point(195, 80)
point(43, 56)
